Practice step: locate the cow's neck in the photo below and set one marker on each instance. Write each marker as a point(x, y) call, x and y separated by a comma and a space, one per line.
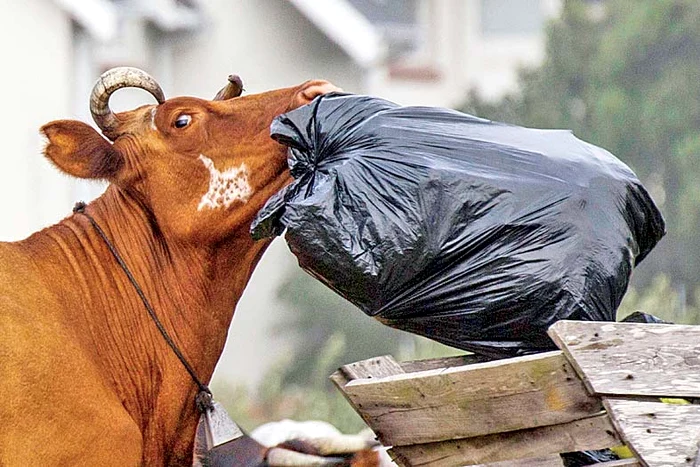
point(193, 290)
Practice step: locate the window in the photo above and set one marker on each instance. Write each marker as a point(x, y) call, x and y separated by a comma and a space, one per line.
point(511, 17)
point(396, 20)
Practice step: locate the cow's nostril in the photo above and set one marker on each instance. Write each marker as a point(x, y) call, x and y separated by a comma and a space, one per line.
point(315, 89)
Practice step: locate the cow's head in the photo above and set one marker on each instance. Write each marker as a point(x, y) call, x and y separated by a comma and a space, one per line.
point(203, 168)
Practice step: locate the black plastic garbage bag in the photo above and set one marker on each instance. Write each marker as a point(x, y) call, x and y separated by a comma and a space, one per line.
point(646, 318)
point(473, 233)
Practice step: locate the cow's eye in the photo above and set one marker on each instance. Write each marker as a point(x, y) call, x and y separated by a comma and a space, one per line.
point(182, 121)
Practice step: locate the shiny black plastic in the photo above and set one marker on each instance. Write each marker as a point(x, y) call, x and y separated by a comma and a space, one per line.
point(473, 233)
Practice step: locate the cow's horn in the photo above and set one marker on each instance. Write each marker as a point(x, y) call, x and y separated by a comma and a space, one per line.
point(110, 81)
point(233, 88)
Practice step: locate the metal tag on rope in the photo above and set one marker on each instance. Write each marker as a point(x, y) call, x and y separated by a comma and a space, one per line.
point(218, 439)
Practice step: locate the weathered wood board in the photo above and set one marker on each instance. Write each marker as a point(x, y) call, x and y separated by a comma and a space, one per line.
point(633, 359)
point(661, 435)
point(620, 463)
point(522, 412)
point(553, 460)
point(366, 369)
point(472, 400)
point(378, 367)
point(592, 433)
point(445, 362)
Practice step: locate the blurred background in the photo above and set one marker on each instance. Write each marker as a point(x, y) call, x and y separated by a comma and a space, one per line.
point(622, 74)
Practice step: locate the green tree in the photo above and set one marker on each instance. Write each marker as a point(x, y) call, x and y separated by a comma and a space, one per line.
point(662, 300)
point(627, 78)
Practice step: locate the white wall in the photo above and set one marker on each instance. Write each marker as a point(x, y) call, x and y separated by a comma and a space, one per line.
point(35, 48)
point(267, 42)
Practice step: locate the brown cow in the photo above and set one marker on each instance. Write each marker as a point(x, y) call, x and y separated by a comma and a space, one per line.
point(85, 376)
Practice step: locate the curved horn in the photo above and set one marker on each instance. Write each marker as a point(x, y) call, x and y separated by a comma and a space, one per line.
point(110, 81)
point(233, 88)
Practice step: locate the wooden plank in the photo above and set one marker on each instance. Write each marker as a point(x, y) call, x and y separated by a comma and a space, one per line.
point(473, 400)
point(591, 433)
point(365, 369)
point(377, 367)
point(620, 463)
point(633, 359)
point(546, 461)
point(659, 434)
point(445, 362)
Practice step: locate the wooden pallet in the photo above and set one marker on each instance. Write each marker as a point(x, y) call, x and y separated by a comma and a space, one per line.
point(600, 390)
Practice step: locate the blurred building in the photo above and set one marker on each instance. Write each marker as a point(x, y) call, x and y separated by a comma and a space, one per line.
point(415, 52)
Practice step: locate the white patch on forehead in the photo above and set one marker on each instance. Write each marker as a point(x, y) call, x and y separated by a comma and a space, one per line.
point(153, 118)
point(224, 187)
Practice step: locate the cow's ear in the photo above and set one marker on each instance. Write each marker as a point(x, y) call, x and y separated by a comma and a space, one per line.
point(77, 149)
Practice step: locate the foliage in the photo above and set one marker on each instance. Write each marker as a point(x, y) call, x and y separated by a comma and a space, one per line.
point(661, 300)
point(275, 400)
point(627, 80)
point(323, 320)
point(334, 332)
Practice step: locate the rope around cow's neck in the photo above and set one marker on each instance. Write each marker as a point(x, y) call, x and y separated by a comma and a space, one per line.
point(203, 400)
